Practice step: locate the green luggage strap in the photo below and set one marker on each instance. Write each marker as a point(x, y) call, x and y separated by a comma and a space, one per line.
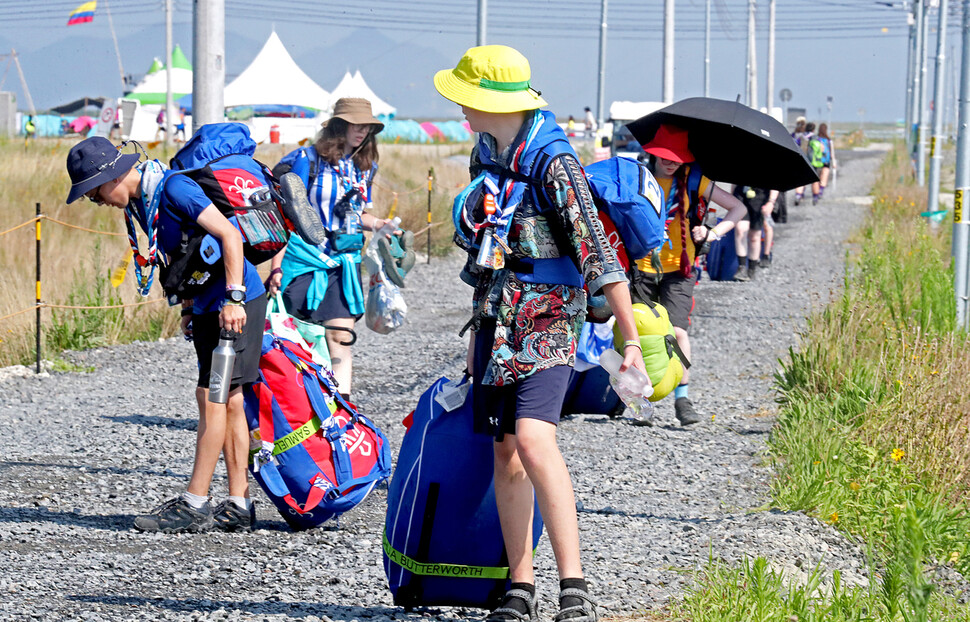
point(443, 570)
point(294, 438)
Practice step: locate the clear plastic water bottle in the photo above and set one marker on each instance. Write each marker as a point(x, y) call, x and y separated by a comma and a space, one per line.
point(632, 385)
point(389, 227)
point(220, 374)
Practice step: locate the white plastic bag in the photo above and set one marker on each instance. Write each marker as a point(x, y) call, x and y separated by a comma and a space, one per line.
point(385, 309)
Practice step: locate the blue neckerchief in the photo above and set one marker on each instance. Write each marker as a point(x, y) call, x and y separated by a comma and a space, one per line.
point(145, 212)
point(536, 133)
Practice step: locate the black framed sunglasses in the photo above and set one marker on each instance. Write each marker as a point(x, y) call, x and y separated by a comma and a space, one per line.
point(95, 196)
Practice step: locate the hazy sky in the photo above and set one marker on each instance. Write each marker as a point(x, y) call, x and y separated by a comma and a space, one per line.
point(852, 50)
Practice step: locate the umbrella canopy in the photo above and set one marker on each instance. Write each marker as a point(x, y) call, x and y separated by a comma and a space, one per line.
point(733, 143)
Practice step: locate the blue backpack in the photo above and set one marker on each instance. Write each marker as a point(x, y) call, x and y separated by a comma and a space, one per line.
point(442, 538)
point(626, 190)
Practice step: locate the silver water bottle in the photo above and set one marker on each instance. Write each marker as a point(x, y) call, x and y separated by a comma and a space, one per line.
point(220, 374)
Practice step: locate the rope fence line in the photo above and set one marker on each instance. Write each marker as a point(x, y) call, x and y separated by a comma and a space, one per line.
point(21, 225)
point(434, 224)
point(44, 305)
point(59, 222)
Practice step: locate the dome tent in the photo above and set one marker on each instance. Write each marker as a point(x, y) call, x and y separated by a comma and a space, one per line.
point(151, 89)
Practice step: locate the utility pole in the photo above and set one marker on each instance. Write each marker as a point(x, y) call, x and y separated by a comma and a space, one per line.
point(923, 90)
point(668, 78)
point(917, 55)
point(209, 62)
point(168, 74)
point(961, 219)
point(770, 79)
point(601, 85)
point(752, 58)
point(936, 143)
point(482, 20)
point(707, 49)
point(910, 77)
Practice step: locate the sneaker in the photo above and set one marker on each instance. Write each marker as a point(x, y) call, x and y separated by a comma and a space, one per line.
point(765, 261)
point(583, 612)
point(685, 412)
point(508, 614)
point(230, 517)
point(297, 209)
point(798, 199)
point(751, 272)
point(176, 516)
point(741, 274)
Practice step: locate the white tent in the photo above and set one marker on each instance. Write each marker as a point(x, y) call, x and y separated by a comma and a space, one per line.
point(355, 86)
point(274, 79)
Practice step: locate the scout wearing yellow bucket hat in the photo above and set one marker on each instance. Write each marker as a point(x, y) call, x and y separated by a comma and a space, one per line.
point(490, 78)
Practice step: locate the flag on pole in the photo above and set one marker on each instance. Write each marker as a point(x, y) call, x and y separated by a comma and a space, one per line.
point(83, 14)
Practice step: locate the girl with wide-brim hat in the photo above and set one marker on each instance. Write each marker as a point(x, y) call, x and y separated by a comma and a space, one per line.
point(524, 330)
point(338, 171)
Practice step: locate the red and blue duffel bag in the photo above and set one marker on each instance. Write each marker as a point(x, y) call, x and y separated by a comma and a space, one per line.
point(313, 454)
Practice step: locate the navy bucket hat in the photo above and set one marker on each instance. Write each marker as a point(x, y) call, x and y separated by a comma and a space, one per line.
point(95, 161)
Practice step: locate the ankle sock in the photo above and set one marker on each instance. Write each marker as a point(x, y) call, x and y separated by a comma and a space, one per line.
point(514, 602)
point(242, 503)
point(194, 500)
point(680, 391)
point(571, 601)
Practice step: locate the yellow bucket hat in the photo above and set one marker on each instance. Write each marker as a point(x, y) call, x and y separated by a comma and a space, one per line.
point(490, 78)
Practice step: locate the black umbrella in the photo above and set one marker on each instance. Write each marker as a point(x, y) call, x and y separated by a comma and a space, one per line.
point(733, 143)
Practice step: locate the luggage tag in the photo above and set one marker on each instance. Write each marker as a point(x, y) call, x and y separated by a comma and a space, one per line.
point(452, 395)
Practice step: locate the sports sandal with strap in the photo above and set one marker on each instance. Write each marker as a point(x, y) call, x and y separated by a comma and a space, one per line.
point(507, 614)
point(397, 254)
point(585, 612)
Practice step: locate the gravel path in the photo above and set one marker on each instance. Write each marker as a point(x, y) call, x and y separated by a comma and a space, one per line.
point(86, 452)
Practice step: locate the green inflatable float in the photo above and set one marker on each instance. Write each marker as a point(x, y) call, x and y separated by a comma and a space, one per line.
point(662, 357)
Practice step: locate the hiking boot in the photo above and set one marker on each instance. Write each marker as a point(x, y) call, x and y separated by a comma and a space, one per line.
point(765, 261)
point(397, 255)
point(230, 517)
point(685, 412)
point(583, 612)
point(297, 209)
point(176, 516)
point(508, 614)
point(741, 274)
point(752, 268)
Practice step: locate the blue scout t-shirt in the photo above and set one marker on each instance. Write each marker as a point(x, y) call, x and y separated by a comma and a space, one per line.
point(181, 203)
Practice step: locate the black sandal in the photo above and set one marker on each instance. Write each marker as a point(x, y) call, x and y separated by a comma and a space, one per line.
point(584, 612)
point(507, 614)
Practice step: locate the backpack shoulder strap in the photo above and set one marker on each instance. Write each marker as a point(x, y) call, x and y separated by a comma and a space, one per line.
point(695, 214)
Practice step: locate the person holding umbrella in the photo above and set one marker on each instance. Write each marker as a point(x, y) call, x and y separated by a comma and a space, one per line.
point(672, 284)
point(529, 307)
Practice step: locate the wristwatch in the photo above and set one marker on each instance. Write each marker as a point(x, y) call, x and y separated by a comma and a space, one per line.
point(235, 296)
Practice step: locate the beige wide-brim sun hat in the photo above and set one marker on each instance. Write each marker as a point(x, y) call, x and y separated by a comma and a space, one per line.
point(490, 78)
point(356, 110)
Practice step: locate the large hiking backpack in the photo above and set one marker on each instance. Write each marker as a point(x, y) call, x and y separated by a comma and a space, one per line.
point(633, 201)
point(662, 357)
point(442, 538)
point(816, 152)
point(313, 454)
point(219, 158)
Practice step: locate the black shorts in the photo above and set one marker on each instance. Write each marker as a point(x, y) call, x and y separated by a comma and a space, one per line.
point(674, 292)
point(248, 345)
point(333, 306)
point(496, 409)
point(755, 217)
